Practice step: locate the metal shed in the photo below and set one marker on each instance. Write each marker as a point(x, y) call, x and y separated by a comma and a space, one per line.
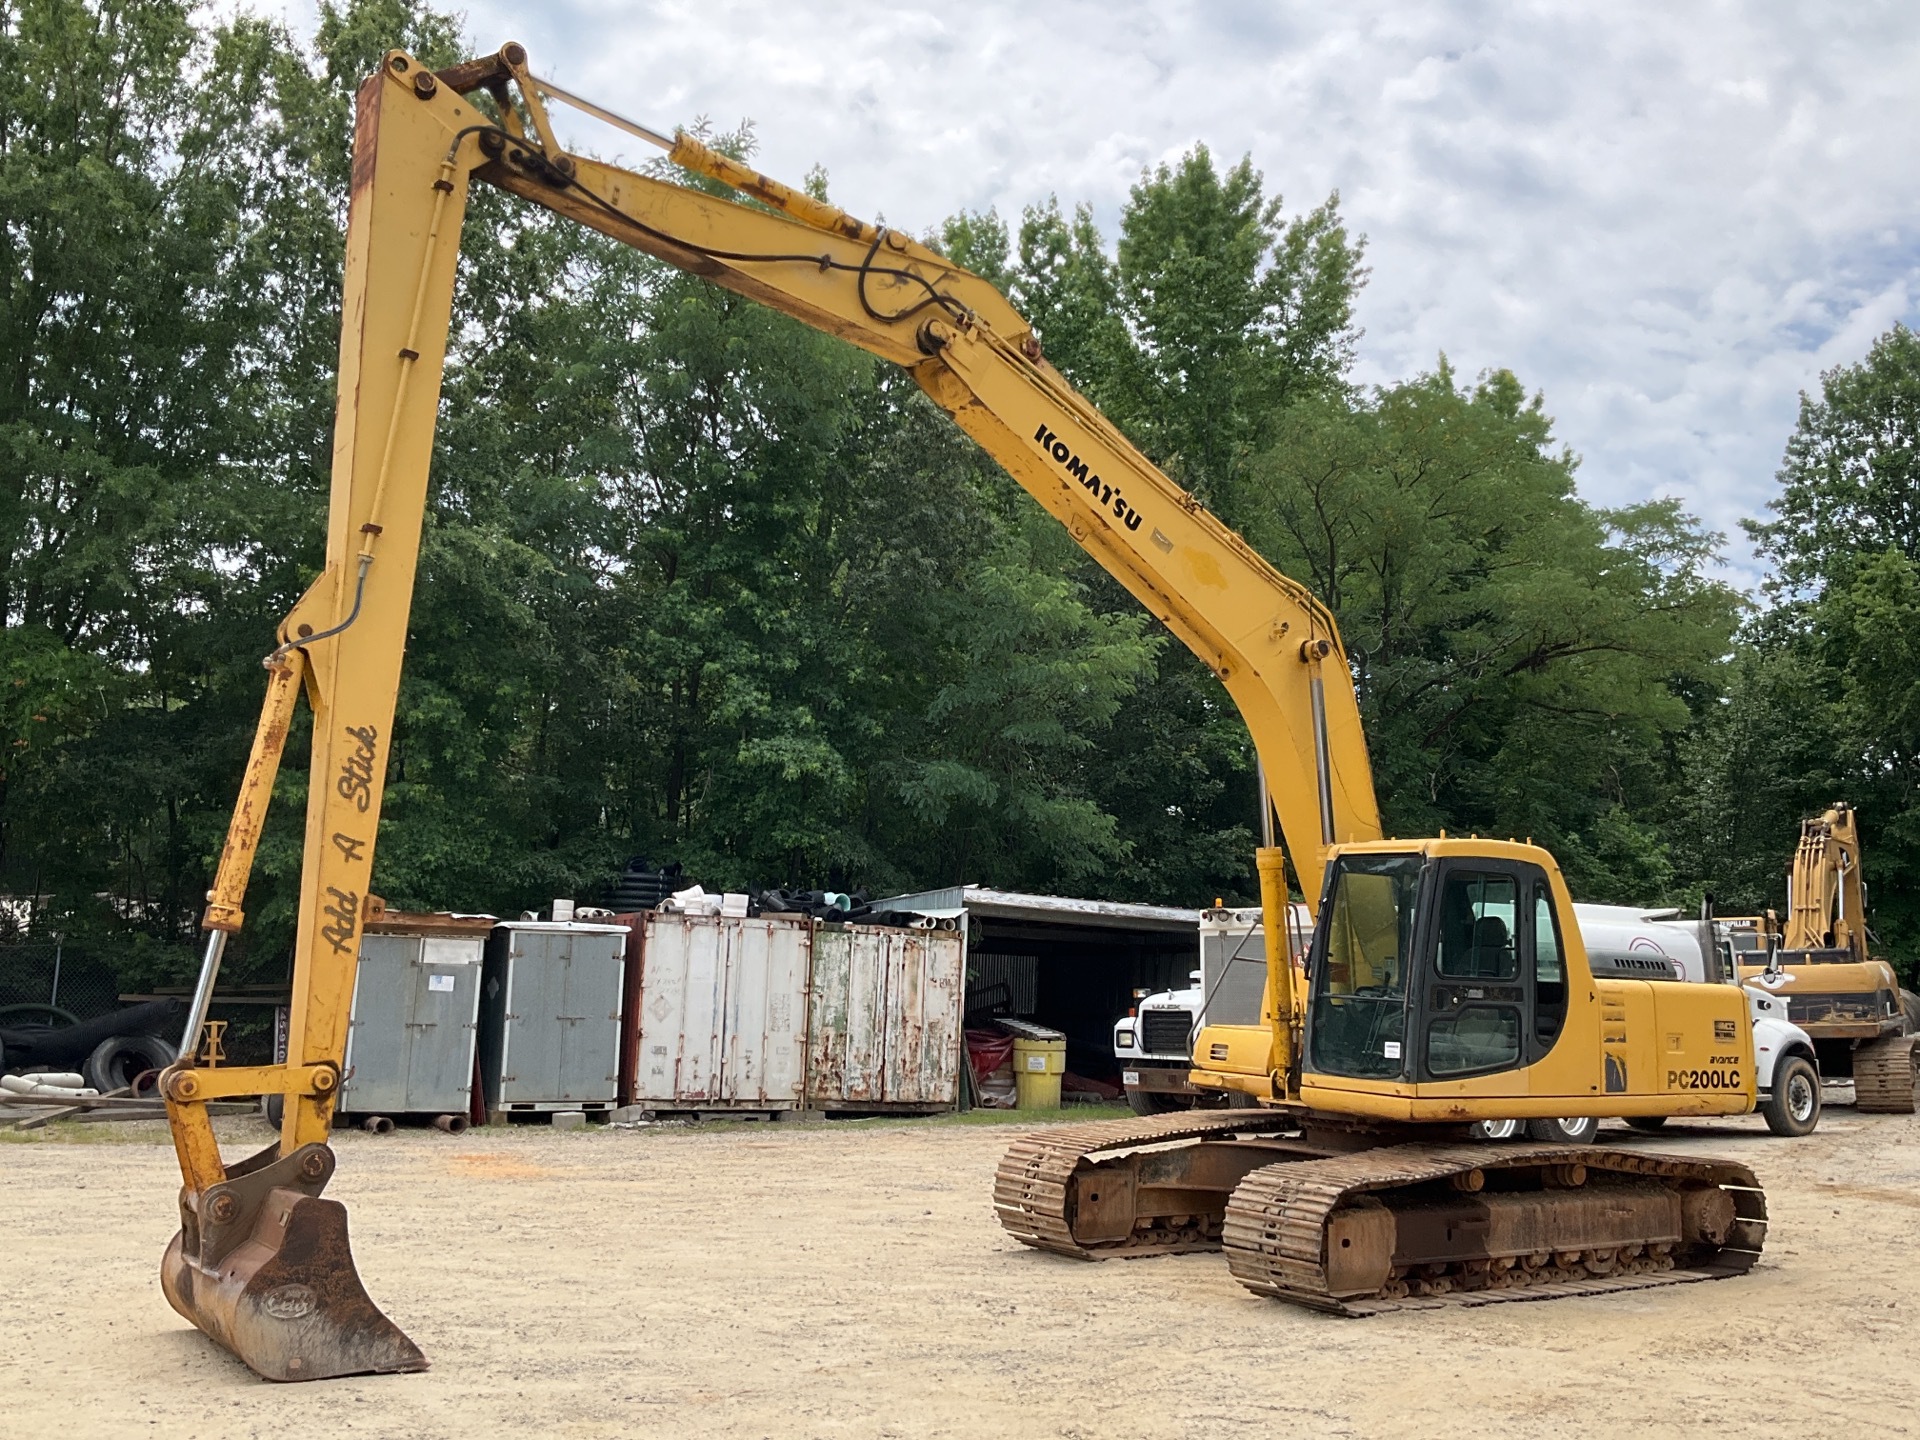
point(550, 1016)
point(1062, 962)
point(413, 1028)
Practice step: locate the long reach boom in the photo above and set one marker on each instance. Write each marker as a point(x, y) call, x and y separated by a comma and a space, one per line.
point(262, 1262)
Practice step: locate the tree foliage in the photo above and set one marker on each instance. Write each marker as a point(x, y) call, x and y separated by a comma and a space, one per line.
point(702, 584)
point(1823, 701)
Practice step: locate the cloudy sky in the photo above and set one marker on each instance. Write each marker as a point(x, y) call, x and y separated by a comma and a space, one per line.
point(1669, 218)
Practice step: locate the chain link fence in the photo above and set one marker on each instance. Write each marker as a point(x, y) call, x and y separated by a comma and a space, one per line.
point(53, 973)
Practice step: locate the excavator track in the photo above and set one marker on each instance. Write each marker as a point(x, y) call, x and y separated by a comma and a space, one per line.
point(1423, 1225)
point(1883, 1075)
point(1036, 1195)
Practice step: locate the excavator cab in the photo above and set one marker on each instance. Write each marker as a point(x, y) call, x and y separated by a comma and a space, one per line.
point(1434, 969)
point(1446, 983)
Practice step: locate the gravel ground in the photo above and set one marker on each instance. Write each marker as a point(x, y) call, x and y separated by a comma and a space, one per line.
point(849, 1279)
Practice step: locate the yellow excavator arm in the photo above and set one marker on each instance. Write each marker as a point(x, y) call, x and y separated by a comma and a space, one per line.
point(1450, 980)
point(1826, 895)
point(420, 139)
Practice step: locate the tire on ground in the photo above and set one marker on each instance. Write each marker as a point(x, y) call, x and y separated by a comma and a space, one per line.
point(1792, 1106)
point(115, 1063)
point(1575, 1131)
point(1648, 1123)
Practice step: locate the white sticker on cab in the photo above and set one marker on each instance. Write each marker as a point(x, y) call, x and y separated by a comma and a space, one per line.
point(439, 982)
point(1392, 1050)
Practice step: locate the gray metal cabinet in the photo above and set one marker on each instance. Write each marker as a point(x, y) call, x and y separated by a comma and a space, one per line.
point(411, 1036)
point(550, 1016)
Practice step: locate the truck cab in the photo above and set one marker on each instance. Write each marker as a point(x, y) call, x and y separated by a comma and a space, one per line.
point(1153, 1043)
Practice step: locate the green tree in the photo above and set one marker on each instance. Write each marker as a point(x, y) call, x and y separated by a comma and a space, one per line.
point(1850, 482)
point(1522, 658)
point(1820, 705)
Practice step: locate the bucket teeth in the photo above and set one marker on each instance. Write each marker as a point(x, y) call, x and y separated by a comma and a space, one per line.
point(266, 1269)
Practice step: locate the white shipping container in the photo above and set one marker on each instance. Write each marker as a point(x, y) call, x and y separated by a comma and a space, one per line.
point(886, 1018)
point(722, 1003)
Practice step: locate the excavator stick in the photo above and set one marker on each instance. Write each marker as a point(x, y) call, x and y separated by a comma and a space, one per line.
point(262, 1265)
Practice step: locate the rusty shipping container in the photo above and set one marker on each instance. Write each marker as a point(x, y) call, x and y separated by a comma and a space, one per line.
point(885, 1031)
point(783, 1013)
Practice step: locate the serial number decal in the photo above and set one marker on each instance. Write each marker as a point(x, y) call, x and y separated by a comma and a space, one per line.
point(1714, 1079)
point(1104, 495)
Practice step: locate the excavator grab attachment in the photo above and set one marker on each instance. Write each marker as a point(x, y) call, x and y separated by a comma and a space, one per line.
point(262, 1264)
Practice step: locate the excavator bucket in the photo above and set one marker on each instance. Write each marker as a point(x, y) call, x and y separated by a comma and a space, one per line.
point(262, 1265)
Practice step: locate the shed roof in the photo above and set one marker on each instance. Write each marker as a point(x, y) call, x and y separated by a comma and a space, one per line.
point(1050, 909)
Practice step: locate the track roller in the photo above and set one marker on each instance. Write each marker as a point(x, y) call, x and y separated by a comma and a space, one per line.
point(1417, 1224)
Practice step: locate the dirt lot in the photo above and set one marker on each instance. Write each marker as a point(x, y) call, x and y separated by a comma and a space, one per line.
point(848, 1279)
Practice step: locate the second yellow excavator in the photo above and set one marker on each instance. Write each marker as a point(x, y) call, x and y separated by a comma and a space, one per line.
point(1447, 984)
point(1850, 1002)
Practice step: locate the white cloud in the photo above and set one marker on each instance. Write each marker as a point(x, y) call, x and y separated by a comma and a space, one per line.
point(1668, 218)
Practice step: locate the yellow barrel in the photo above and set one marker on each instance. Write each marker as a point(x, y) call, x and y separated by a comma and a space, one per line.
point(1037, 1068)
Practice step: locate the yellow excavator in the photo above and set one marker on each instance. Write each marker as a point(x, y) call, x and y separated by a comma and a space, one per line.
point(1862, 1023)
point(1447, 983)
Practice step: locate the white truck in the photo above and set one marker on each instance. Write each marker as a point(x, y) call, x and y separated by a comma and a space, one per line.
point(1154, 1043)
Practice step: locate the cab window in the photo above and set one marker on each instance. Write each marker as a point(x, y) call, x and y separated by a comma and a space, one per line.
point(1549, 973)
point(1478, 933)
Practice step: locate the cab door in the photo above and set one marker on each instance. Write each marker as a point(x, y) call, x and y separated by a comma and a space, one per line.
point(1478, 998)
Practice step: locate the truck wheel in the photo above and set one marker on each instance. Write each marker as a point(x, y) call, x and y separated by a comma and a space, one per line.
point(1152, 1102)
point(1577, 1131)
point(1792, 1107)
point(1648, 1123)
point(1497, 1129)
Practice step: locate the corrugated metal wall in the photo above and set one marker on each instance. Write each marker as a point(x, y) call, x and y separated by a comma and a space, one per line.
point(769, 1013)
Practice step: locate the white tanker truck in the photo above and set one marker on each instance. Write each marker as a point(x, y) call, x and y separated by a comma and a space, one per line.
point(1153, 1043)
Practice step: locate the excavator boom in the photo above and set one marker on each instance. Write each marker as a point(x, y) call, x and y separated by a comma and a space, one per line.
point(261, 1262)
point(420, 139)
